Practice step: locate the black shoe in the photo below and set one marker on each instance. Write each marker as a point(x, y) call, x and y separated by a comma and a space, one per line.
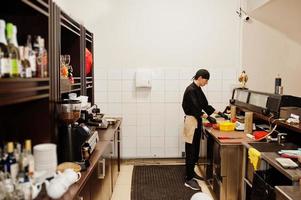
point(192, 184)
point(197, 177)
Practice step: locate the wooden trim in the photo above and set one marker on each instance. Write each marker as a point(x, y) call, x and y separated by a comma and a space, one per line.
point(4, 80)
point(30, 89)
point(24, 99)
point(37, 8)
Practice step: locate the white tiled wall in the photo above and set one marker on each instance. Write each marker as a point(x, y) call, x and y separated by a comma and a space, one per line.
point(153, 117)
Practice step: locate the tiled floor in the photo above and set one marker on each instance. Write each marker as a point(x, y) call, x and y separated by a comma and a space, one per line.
point(122, 189)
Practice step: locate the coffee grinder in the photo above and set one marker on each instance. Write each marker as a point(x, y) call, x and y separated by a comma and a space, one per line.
point(71, 135)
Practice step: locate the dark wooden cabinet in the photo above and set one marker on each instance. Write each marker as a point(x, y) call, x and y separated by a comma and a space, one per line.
point(28, 105)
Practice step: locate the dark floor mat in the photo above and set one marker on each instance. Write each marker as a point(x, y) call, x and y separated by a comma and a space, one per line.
point(159, 182)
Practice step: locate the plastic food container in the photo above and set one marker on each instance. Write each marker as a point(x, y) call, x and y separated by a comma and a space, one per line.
point(226, 126)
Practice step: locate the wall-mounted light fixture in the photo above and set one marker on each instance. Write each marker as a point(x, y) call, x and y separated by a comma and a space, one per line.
point(244, 14)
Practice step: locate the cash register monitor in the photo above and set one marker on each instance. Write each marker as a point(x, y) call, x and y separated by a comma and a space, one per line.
point(241, 95)
point(259, 100)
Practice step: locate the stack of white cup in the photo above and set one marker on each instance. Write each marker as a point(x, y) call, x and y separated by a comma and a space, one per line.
point(45, 158)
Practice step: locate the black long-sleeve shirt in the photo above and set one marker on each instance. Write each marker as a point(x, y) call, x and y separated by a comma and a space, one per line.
point(195, 102)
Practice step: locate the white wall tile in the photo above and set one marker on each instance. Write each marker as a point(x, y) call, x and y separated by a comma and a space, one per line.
point(172, 152)
point(158, 85)
point(172, 97)
point(156, 119)
point(100, 73)
point(157, 108)
point(158, 152)
point(158, 74)
point(143, 142)
point(114, 85)
point(143, 95)
point(157, 97)
point(101, 85)
point(187, 74)
point(172, 74)
point(101, 97)
point(114, 74)
point(128, 85)
point(171, 129)
point(143, 108)
point(129, 142)
point(114, 97)
point(230, 74)
point(115, 109)
point(143, 120)
point(129, 108)
point(129, 97)
point(129, 131)
point(229, 85)
point(214, 97)
point(157, 130)
point(220, 106)
point(226, 96)
point(129, 152)
point(214, 85)
point(128, 74)
point(129, 119)
point(183, 85)
point(144, 152)
point(171, 141)
point(172, 85)
point(172, 108)
point(215, 74)
point(143, 131)
point(157, 142)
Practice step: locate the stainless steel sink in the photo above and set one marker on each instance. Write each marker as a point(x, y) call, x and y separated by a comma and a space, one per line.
point(272, 146)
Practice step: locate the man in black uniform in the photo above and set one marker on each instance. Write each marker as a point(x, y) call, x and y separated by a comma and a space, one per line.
point(194, 104)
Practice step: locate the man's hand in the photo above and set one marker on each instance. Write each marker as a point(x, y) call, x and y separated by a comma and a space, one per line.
point(204, 115)
point(223, 115)
point(211, 120)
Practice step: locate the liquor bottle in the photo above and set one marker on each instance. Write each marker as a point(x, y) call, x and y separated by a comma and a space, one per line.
point(11, 32)
point(4, 55)
point(27, 154)
point(41, 56)
point(31, 57)
point(25, 64)
point(11, 162)
point(44, 58)
point(2, 161)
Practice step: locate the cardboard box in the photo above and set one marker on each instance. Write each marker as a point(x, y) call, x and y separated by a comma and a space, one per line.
point(285, 112)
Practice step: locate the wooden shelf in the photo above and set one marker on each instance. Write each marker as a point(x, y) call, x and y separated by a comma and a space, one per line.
point(17, 90)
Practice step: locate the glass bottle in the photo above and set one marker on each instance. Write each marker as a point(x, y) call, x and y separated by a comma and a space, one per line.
point(11, 162)
point(31, 57)
point(29, 157)
point(25, 64)
point(41, 56)
point(4, 55)
point(11, 32)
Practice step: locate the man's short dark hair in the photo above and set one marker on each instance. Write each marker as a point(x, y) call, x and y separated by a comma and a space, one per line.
point(203, 73)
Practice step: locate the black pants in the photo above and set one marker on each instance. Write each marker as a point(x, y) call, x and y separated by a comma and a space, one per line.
point(192, 153)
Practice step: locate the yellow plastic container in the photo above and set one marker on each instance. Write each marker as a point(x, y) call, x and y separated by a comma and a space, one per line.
point(226, 126)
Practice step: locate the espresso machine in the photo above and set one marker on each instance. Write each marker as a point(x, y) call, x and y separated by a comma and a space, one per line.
point(73, 137)
point(92, 117)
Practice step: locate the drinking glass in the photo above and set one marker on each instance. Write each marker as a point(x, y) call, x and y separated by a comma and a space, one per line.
point(67, 60)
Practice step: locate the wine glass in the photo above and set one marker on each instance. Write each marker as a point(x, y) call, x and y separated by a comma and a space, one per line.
point(62, 60)
point(67, 60)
